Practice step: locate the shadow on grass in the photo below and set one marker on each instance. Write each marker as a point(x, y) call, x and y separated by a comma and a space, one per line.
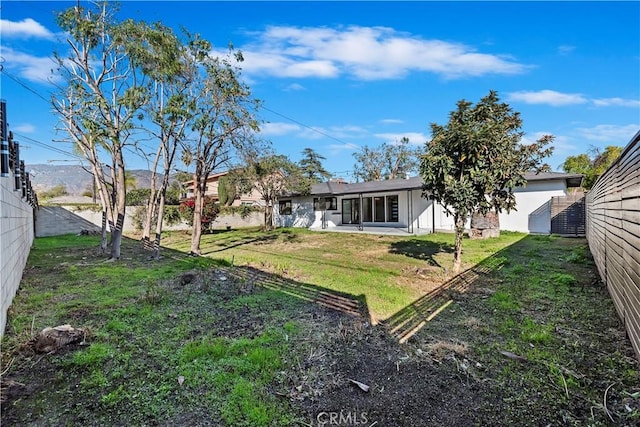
point(339, 301)
point(336, 300)
point(408, 321)
point(420, 249)
point(233, 242)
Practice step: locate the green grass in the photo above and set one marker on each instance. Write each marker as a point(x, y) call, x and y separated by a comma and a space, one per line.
point(219, 351)
point(379, 268)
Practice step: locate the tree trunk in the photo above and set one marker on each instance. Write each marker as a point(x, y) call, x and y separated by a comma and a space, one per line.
point(457, 254)
point(156, 242)
point(197, 220)
point(103, 241)
point(119, 203)
point(152, 204)
point(116, 237)
point(268, 217)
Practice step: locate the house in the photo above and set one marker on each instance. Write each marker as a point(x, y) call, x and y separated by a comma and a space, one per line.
point(398, 204)
point(211, 190)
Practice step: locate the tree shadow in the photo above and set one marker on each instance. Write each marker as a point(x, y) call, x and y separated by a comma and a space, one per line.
point(339, 301)
point(235, 240)
point(408, 321)
point(420, 249)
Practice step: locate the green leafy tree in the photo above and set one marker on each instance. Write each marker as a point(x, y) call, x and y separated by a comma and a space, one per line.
point(592, 164)
point(170, 70)
point(272, 176)
point(388, 161)
point(224, 122)
point(97, 101)
point(311, 166)
point(227, 191)
point(475, 161)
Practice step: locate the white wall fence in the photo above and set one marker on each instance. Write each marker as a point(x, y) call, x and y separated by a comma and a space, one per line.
point(67, 219)
point(17, 209)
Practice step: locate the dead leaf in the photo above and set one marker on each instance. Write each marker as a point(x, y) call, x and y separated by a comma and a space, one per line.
point(513, 356)
point(180, 379)
point(362, 386)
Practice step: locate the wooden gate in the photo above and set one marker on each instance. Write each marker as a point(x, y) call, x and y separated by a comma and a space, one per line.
point(568, 215)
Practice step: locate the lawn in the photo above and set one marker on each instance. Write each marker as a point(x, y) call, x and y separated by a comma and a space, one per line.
point(389, 272)
point(269, 329)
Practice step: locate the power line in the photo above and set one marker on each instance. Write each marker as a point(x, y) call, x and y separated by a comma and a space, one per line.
point(49, 147)
point(306, 126)
point(15, 79)
point(24, 85)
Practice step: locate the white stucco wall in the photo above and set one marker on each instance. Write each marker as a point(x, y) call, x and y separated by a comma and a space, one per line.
point(533, 212)
point(16, 238)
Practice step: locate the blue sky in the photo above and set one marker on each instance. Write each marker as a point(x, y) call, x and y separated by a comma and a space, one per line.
point(335, 76)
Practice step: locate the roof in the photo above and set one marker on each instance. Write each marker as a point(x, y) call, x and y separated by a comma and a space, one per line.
point(415, 183)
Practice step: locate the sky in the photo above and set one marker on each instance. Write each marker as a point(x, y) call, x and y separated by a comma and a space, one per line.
point(338, 76)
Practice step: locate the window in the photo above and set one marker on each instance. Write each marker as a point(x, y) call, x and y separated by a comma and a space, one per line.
point(392, 208)
point(325, 203)
point(367, 210)
point(332, 203)
point(351, 211)
point(284, 207)
point(378, 209)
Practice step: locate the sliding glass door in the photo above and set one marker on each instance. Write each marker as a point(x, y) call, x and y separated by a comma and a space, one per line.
point(351, 211)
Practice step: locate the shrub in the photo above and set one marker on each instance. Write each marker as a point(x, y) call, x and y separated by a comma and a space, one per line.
point(210, 212)
point(57, 191)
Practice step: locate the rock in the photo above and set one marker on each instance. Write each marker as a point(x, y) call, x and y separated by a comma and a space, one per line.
point(52, 339)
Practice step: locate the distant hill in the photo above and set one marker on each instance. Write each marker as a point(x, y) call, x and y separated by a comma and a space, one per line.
point(75, 179)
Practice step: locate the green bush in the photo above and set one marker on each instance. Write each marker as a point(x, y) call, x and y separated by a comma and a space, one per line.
point(57, 191)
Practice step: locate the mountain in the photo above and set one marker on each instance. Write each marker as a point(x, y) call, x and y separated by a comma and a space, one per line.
point(75, 179)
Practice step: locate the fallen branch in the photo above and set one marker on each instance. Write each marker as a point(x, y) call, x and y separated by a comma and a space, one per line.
point(605, 402)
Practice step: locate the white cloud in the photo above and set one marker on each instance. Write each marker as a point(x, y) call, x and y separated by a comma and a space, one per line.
point(27, 28)
point(294, 87)
point(24, 128)
point(34, 68)
point(415, 138)
point(616, 102)
point(550, 97)
point(367, 53)
point(279, 129)
point(615, 134)
point(337, 148)
point(565, 49)
point(391, 121)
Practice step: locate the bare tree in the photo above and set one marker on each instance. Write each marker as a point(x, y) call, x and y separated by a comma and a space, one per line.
point(98, 101)
point(224, 122)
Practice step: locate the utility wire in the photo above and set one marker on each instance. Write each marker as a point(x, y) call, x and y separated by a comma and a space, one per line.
point(15, 79)
point(49, 147)
point(24, 85)
point(306, 126)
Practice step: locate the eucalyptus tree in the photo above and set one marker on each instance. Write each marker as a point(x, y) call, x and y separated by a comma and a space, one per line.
point(474, 162)
point(387, 161)
point(161, 56)
point(97, 102)
point(223, 123)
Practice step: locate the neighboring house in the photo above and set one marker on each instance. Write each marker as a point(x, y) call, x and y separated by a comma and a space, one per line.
point(399, 204)
point(211, 190)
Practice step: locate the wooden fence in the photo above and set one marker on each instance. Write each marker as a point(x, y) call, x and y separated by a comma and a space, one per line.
point(613, 232)
point(568, 215)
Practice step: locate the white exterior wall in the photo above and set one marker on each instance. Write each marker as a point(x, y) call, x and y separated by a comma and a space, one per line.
point(533, 214)
point(16, 238)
